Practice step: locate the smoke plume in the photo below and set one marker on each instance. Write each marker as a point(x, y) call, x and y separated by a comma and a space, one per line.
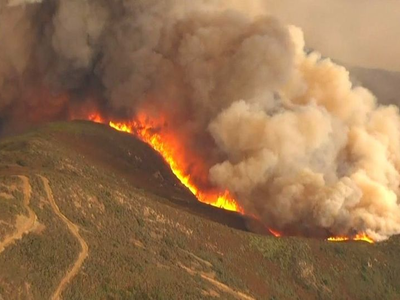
point(283, 130)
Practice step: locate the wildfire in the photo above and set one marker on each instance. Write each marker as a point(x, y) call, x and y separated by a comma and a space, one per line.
point(359, 237)
point(166, 147)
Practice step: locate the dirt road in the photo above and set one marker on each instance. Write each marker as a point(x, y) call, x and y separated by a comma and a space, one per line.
point(75, 231)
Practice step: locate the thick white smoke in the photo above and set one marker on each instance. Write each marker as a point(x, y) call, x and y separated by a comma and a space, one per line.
point(282, 130)
point(323, 156)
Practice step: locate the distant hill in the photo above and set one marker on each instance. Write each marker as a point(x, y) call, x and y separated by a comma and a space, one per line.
point(384, 84)
point(90, 213)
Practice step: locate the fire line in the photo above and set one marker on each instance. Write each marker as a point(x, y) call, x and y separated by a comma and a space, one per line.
point(144, 131)
point(359, 237)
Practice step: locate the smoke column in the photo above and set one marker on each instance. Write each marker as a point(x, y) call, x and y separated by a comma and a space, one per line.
point(281, 129)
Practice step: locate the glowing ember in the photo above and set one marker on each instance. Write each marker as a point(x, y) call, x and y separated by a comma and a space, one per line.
point(359, 237)
point(166, 147)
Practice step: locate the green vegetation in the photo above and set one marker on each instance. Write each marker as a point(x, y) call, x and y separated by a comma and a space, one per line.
point(149, 239)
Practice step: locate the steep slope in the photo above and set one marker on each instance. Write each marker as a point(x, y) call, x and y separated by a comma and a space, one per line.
point(112, 222)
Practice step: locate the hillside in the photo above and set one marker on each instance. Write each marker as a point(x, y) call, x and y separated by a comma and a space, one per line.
point(87, 212)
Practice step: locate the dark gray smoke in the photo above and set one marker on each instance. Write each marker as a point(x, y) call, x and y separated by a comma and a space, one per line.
point(283, 130)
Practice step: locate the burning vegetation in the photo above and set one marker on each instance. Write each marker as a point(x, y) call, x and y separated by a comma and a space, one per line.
point(247, 119)
point(357, 237)
point(168, 148)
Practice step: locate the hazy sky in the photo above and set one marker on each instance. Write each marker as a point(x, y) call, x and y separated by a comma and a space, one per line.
point(360, 32)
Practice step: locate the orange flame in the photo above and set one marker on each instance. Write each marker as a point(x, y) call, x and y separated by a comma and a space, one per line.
point(363, 237)
point(359, 237)
point(275, 233)
point(165, 145)
point(96, 118)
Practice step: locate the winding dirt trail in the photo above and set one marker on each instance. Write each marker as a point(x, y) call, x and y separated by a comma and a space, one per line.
point(25, 224)
point(75, 231)
point(216, 283)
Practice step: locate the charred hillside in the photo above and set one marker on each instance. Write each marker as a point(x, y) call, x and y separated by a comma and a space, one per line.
point(87, 212)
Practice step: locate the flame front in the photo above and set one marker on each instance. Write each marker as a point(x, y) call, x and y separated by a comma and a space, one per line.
point(359, 237)
point(166, 146)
